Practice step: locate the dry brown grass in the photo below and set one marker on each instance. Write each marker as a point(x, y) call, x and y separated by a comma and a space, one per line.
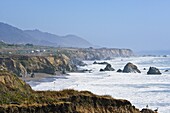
point(64, 101)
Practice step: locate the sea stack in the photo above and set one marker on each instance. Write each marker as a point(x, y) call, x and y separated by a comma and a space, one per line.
point(131, 68)
point(108, 68)
point(154, 71)
point(119, 70)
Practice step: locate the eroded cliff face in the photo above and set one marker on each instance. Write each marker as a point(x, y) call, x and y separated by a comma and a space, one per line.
point(96, 54)
point(22, 65)
point(18, 97)
point(57, 59)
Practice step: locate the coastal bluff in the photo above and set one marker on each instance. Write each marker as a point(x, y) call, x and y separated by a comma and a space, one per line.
point(96, 53)
point(53, 60)
point(18, 97)
point(22, 65)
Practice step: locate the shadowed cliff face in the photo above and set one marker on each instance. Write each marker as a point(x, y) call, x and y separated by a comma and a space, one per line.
point(22, 65)
point(17, 97)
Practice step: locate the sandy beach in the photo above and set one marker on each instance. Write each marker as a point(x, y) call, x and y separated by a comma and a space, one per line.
point(38, 76)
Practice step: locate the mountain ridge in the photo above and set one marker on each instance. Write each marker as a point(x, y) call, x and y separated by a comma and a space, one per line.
point(14, 35)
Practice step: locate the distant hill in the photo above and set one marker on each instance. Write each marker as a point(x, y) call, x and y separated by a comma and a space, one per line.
point(55, 40)
point(15, 35)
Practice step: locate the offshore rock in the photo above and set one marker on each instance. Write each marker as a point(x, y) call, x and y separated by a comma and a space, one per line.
point(108, 68)
point(102, 63)
point(101, 69)
point(166, 70)
point(153, 70)
point(131, 68)
point(119, 70)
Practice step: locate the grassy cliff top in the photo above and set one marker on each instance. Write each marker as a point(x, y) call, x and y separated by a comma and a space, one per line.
point(17, 96)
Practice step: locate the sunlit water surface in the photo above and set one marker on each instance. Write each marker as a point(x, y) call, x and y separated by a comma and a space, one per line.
point(139, 88)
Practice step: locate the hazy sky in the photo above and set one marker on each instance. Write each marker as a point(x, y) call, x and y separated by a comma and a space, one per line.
point(134, 24)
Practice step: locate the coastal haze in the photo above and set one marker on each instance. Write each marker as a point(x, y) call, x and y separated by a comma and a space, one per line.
point(137, 25)
point(14, 35)
point(67, 49)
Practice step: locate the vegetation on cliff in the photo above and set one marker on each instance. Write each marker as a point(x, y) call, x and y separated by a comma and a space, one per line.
point(80, 53)
point(16, 96)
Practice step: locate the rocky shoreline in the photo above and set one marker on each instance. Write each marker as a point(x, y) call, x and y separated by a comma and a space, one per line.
point(24, 65)
point(61, 60)
point(16, 96)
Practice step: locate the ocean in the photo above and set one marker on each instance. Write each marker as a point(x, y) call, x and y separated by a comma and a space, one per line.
point(139, 88)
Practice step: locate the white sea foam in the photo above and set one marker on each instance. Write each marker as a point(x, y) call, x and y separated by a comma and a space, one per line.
point(140, 89)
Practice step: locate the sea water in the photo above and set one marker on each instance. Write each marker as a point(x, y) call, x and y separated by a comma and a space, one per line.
point(139, 88)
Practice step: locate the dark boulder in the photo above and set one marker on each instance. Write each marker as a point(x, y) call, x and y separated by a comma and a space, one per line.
point(108, 68)
point(131, 68)
point(153, 70)
point(119, 70)
point(102, 63)
point(101, 69)
point(84, 70)
point(94, 62)
point(166, 70)
point(148, 111)
point(32, 75)
point(165, 56)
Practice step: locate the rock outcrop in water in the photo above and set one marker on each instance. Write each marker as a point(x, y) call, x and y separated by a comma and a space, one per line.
point(119, 70)
point(131, 68)
point(102, 63)
point(18, 97)
point(108, 68)
point(154, 70)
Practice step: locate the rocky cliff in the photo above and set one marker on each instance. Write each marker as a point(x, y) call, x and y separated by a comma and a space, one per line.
point(22, 65)
point(60, 59)
point(17, 97)
point(96, 54)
